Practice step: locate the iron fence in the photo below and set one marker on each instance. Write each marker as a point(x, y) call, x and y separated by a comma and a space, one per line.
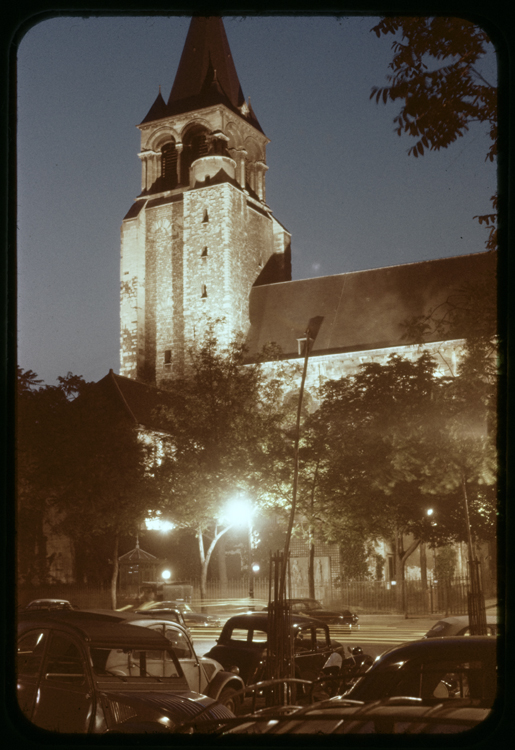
point(447, 597)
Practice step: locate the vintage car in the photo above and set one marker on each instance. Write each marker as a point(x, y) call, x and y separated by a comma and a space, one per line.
point(204, 675)
point(242, 646)
point(314, 608)
point(433, 669)
point(163, 614)
point(191, 618)
point(459, 626)
point(83, 673)
point(340, 715)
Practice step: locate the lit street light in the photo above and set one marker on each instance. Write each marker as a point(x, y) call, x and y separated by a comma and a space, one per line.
point(243, 511)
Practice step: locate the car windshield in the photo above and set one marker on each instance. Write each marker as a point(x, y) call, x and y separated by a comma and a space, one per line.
point(130, 663)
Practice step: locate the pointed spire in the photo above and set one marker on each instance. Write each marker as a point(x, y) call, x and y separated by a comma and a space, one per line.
point(157, 110)
point(206, 47)
point(206, 75)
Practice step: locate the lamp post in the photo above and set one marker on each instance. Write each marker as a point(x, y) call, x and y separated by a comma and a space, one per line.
point(476, 599)
point(243, 511)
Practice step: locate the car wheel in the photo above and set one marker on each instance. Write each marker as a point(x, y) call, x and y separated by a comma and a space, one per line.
point(227, 698)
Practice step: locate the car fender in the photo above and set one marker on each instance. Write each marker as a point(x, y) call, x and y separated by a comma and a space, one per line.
point(222, 680)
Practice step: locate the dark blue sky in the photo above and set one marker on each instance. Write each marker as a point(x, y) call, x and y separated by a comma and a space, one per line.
point(339, 177)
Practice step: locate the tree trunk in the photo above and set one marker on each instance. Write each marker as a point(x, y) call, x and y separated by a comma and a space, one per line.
point(311, 571)
point(205, 557)
point(423, 566)
point(203, 566)
point(114, 576)
point(401, 555)
point(222, 567)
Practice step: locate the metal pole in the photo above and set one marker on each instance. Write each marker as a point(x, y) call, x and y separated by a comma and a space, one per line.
point(295, 467)
point(251, 571)
point(476, 600)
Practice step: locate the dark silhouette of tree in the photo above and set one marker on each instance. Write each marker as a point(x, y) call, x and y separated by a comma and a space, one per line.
point(436, 79)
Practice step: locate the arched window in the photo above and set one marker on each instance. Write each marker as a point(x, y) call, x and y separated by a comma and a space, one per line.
point(195, 146)
point(169, 165)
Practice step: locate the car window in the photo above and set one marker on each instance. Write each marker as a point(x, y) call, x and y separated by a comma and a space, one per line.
point(31, 648)
point(131, 663)
point(178, 640)
point(64, 662)
point(248, 635)
point(439, 679)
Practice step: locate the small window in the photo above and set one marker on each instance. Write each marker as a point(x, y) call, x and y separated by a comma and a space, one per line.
point(30, 652)
point(168, 356)
point(204, 252)
point(206, 217)
point(64, 661)
point(203, 291)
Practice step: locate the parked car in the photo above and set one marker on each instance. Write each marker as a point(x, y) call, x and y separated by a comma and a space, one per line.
point(191, 618)
point(204, 675)
point(342, 716)
point(83, 673)
point(242, 646)
point(50, 604)
point(314, 608)
point(433, 669)
point(164, 614)
point(459, 626)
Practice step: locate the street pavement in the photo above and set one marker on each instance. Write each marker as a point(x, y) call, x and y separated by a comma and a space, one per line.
point(375, 634)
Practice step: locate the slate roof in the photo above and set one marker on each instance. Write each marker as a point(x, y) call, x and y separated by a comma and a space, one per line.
point(136, 400)
point(206, 75)
point(361, 310)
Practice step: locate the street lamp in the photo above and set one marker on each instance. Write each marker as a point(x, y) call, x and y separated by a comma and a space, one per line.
point(157, 523)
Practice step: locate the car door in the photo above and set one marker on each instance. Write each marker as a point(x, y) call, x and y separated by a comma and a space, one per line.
point(29, 660)
point(65, 700)
point(311, 652)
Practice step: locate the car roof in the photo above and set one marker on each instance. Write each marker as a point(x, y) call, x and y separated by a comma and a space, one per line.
point(94, 628)
point(260, 620)
point(441, 648)
point(131, 617)
point(464, 620)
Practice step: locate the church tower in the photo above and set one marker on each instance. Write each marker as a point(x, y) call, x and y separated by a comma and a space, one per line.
point(200, 234)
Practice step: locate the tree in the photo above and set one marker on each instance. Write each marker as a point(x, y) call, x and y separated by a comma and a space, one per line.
point(437, 81)
point(106, 486)
point(222, 431)
point(389, 445)
point(40, 429)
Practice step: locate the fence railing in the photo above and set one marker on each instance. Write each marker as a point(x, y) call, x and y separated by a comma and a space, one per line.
point(445, 597)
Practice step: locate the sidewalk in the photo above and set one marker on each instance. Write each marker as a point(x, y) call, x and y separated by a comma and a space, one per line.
point(425, 621)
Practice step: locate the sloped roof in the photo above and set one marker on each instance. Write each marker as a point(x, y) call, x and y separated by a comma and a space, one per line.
point(361, 310)
point(137, 555)
point(206, 75)
point(137, 401)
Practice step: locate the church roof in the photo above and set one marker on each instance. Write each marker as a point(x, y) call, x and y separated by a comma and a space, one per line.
point(137, 401)
point(206, 75)
point(362, 310)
